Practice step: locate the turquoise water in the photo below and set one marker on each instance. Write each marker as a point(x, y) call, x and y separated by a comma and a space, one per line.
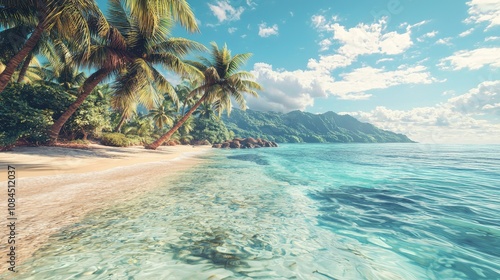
point(315, 211)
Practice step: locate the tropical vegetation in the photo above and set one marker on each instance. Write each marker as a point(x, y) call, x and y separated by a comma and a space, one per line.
point(69, 72)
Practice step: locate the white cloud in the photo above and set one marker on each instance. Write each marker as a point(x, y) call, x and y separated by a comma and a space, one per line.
point(318, 21)
point(449, 92)
point(491, 38)
point(427, 35)
point(327, 63)
point(266, 31)
point(325, 44)
point(412, 26)
point(484, 11)
point(384, 60)
point(473, 59)
point(466, 33)
point(450, 122)
point(296, 90)
point(225, 12)
point(369, 78)
point(369, 39)
point(231, 30)
point(444, 41)
point(484, 97)
point(251, 4)
point(285, 90)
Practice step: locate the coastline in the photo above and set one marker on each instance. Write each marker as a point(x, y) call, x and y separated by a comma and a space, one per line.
point(57, 187)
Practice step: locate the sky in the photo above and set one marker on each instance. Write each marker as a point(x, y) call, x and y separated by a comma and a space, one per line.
point(427, 69)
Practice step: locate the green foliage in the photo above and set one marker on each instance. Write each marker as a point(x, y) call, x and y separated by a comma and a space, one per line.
point(22, 116)
point(91, 118)
point(212, 130)
point(298, 127)
point(27, 112)
point(115, 139)
point(142, 126)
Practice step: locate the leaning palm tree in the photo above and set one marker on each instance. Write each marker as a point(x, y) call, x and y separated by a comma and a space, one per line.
point(222, 81)
point(66, 18)
point(131, 55)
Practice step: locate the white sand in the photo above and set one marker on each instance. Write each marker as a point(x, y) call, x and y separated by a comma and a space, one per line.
point(56, 187)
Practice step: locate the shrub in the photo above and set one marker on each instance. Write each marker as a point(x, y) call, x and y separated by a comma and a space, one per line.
point(115, 140)
point(212, 130)
point(21, 121)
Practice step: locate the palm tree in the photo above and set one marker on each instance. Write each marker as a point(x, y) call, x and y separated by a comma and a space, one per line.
point(222, 81)
point(183, 91)
point(66, 18)
point(141, 126)
point(131, 55)
point(205, 111)
point(163, 114)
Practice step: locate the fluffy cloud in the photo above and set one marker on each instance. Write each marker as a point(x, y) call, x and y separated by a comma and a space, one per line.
point(225, 12)
point(284, 90)
point(325, 44)
point(473, 59)
point(369, 78)
point(483, 99)
point(296, 90)
point(363, 39)
point(231, 30)
point(366, 39)
point(266, 31)
point(484, 11)
point(443, 122)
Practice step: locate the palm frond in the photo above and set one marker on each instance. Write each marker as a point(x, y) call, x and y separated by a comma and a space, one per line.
point(178, 46)
point(237, 62)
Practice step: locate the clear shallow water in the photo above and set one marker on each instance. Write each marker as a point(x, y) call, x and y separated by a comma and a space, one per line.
point(324, 211)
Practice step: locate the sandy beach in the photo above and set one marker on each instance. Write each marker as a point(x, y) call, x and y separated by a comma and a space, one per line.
point(56, 187)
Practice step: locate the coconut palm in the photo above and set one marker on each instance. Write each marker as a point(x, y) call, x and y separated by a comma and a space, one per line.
point(64, 18)
point(205, 111)
point(222, 81)
point(183, 91)
point(132, 55)
point(163, 114)
point(141, 126)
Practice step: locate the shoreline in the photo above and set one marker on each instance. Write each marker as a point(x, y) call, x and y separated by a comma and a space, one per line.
point(57, 187)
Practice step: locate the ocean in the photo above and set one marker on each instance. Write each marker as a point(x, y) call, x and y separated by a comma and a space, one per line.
point(300, 211)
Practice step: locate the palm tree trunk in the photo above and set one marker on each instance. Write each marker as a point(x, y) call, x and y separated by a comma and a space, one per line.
point(21, 55)
point(26, 64)
point(166, 136)
point(120, 124)
point(85, 91)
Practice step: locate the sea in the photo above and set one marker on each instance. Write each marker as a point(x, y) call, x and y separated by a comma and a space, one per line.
point(300, 211)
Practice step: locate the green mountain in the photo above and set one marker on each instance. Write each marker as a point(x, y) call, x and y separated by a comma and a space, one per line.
point(297, 127)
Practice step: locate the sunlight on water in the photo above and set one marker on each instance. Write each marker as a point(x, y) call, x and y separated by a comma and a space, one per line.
point(299, 212)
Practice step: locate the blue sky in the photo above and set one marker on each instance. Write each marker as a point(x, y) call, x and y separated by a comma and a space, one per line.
point(428, 69)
